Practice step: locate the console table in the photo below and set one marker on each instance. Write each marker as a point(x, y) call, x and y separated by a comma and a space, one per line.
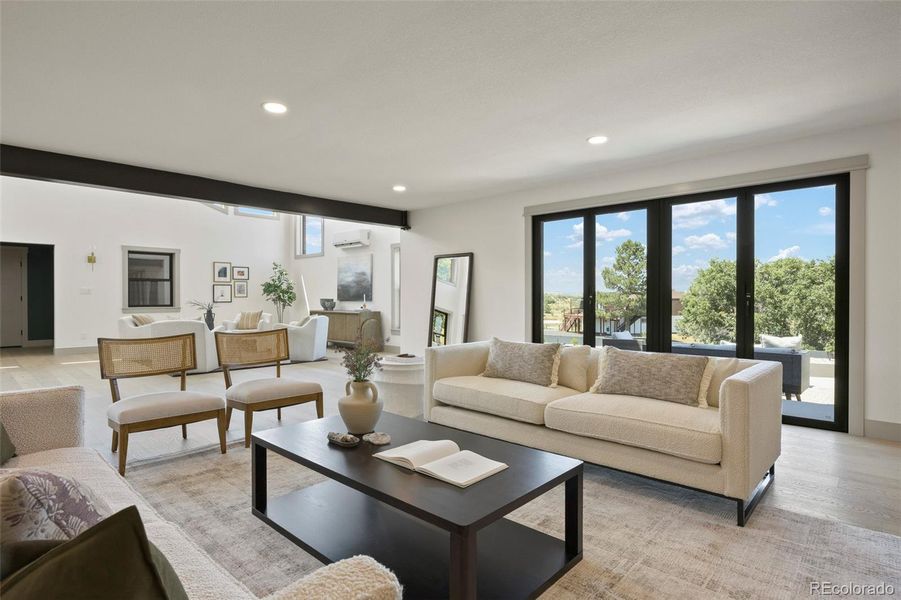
point(347, 326)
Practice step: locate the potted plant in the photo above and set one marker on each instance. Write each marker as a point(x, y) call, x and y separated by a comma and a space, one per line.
point(279, 289)
point(360, 408)
point(207, 309)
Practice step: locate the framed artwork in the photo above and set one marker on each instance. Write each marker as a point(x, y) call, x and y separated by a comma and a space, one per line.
point(222, 272)
point(355, 277)
point(240, 289)
point(240, 273)
point(222, 292)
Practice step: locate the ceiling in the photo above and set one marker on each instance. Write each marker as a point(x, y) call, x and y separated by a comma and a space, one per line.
point(457, 101)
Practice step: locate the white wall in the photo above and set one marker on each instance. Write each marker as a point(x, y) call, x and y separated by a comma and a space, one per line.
point(75, 218)
point(494, 230)
point(320, 273)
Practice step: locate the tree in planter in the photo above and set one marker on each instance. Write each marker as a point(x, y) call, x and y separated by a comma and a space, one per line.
point(279, 289)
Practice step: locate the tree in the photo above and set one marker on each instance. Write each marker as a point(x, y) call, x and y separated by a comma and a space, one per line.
point(708, 307)
point(626, 280)
point(279, 289)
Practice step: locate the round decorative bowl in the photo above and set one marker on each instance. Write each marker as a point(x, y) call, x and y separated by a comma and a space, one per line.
point(327, 303)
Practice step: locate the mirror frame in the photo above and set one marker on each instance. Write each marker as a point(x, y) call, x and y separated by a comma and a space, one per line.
point(438, 257)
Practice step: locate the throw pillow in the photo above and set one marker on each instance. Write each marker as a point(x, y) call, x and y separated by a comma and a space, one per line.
point(772, 341)
point(531, 363)
point(140, 320)
point(602, 356)
point(663, 376)
point(37, 505)
point(573, 371)
point(15, 555)
point(249, 320)
point(112, 559)
point(706, 378)
point(7, 448)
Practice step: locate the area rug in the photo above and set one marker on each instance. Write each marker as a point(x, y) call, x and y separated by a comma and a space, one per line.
point(642, 539)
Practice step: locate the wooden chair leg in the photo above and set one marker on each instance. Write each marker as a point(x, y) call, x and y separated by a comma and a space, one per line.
point(228, 417)
point(184, 432)
point(123, 448)
point(248, 426)
point(115, 440)
point(319, 406)
point(220, 421)
point(279, 411)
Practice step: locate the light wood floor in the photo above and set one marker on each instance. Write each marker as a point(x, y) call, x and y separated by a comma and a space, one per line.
point(831, 475)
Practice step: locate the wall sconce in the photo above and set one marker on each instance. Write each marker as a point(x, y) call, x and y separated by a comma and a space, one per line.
point(92, 259)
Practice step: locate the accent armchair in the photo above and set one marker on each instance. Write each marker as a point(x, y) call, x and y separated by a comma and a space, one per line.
point(205, 343)
point(309, 341)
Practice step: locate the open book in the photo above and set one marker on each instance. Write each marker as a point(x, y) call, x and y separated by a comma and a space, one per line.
point(443, 459)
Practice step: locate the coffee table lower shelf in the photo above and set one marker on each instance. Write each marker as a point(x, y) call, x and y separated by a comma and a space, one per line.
point(332, 521)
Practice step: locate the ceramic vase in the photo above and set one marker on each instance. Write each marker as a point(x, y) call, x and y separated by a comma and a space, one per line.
point(360, 408)
point(210, 319)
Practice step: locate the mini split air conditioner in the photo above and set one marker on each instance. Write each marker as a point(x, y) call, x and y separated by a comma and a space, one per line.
point(354, 238)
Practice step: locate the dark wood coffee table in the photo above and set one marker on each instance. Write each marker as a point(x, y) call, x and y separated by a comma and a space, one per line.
point(441, 541)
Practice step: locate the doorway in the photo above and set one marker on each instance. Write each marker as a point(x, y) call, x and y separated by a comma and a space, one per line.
point(26, 303)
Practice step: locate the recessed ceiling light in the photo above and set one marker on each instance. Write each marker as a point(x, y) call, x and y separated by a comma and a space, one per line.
point(399, 188)
point(276, 108)
point(597, 140)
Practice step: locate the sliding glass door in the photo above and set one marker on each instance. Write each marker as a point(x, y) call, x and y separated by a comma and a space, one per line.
point(756, 272)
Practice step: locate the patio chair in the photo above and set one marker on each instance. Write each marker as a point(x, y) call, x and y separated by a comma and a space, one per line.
point(258, 348)
point(144, 357)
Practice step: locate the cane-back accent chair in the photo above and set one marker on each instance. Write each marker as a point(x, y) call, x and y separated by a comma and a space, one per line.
point(258, 348)
point(143, 357)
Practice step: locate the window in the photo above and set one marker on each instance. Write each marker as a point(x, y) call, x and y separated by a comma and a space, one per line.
point(447, 271)
point(308, 232)
point(218, 206)
point(150, 278)
point(395, 289)
point(261, 213)
point(439, 327)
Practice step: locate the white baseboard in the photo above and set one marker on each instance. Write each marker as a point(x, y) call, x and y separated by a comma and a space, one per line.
point(37, 343)
point(75, 350)
point(883, 430)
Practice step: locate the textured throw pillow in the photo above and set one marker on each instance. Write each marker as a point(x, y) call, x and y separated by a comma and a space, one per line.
point(140, 320)
point(531, 363)
point(37, 505)
point(772, 341)
point(663, 376)
point(7, 448)
point(706, 378)
point(602, 360)
point(249, 320)
point(112, 559)
point(573, 371)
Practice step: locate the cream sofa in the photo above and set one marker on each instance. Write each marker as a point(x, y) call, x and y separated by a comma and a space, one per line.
point(728, 449)
point(46, 427)
point(204, 339)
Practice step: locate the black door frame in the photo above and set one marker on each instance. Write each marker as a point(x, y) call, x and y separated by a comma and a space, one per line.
point(659, 273)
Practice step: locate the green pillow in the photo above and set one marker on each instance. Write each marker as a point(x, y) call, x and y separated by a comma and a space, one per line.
point(15, 555)
point(111, 560)
point(7, 449)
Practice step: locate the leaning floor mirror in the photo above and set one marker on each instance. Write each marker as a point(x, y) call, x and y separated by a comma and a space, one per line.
point(451, 288)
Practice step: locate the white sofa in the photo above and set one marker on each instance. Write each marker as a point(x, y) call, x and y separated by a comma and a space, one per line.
point(308, 342)
point(265, 323)
point(728, 448)
point(204, 340)
point(46, 427)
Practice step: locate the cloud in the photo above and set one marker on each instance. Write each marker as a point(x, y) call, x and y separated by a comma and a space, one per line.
point(678, 250)
point(708, 241)
point(601, 234)
point(761, 200)
point(699, 214)
point(683, 276)
point(825, 211)
point(730, 235)
point(786, 253)
point(607, 261)
point(821, 229)
point(623, 216)
point(547, 252)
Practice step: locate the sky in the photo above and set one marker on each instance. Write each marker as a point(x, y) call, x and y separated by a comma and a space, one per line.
point(795, 223)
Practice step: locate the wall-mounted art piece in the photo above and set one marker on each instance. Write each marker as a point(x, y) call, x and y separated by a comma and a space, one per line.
point(240, 273)
point(222, 272)
point(240, 289)
point(222, 292)
point(355, 277)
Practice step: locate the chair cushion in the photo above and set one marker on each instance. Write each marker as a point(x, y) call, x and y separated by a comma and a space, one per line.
point(271, 388)
point(503, 397)
point(688, 432)
point(160, 405)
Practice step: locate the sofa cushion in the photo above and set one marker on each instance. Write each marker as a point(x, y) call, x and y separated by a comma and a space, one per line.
point(270, 388)
point(7, 448)
point(573, 371)
point(722, 369)
point(684, 431)
point(662, 376)
point(249, 320)
point(530, 363)
point(503, 397)
point(161, 405)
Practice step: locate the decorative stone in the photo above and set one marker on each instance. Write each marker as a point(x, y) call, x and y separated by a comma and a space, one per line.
point(377, 438)
point(345, 440)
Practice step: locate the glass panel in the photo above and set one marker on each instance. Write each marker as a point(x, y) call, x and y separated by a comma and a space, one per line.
point(249, 211)
point(395, 288)
point(312, 235)
point(704, 276)
point(794, 295)
point(621, 279)
point(149, 279)
point(562, 287)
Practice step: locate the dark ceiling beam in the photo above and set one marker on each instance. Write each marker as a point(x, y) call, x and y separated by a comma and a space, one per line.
point(29, 163)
